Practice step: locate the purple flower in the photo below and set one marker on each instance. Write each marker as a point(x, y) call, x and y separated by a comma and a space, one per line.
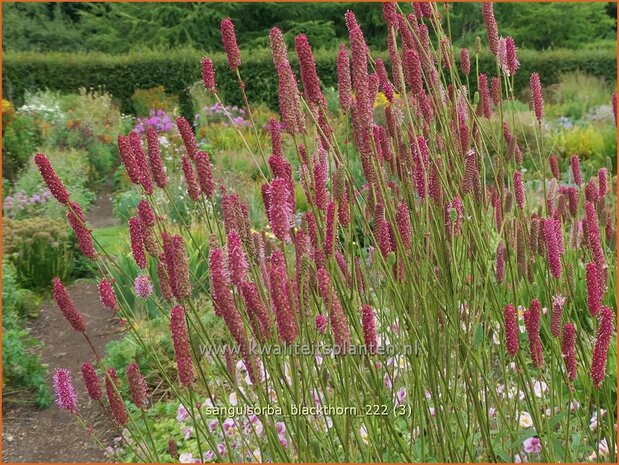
point(532, 445)
point(143, 286)
point(400, 396)
point(182, 414)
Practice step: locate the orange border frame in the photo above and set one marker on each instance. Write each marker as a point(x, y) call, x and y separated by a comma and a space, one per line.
point(315, 1)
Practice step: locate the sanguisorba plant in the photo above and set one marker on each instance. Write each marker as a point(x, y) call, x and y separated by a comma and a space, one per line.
point(446, 305)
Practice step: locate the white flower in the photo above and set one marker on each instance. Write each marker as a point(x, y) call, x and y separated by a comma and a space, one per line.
point(363, 432)
point(593, 424)
point(186, 457)
point(525, 420)
point(257, 455)
point(233, 399)
point(539, 387)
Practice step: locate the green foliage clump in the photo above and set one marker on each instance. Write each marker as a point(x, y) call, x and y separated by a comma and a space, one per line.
point(39, 248)
point(21, 368)
point(20, 137)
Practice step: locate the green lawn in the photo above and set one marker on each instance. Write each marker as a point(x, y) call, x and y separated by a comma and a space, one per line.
point(114, 239)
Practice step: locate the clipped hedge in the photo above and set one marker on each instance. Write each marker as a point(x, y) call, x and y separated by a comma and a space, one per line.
point(176, 70)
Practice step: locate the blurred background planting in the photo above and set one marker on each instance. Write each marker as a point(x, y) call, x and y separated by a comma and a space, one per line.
point(122, 27)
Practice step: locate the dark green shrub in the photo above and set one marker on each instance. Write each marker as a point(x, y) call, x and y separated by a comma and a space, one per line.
point(177, 70)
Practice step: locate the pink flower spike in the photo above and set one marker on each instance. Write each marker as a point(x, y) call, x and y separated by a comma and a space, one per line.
point(141, 162)
point(594, 291)
point(193, 188)
point(602, 342)
point(575, 163)
point(128, 159)
point(385, 86)
point(208, 74)
point(276, 138)
point(54, 184)
point(137, 386)
point(189, 139)
point(220, 283)
point(403, 222)
point(91, 380)
point(331, 229)
point(558, 302)
point(258, 312)
point(117, 405)
point(137, 241)
point(519, 189)
point(369, 329)
point(554, 167)
point(511, 330)
point(280, 209)
point(278, 46)
point(538, 99)
point(390, 14)
point(593, 237)
point(146, 213)
point(280, 298)
point(77, 221)
point(106, 294)
point(64, 390)
point(552, 247)
point(492, 31)
point(483, 107)
point(495, 87)
point(154, 155)
point(228, 37)
point(67, 307)
point(321, 323)
point(289, 100)
point(511, 56)
point(309, 77)
point(531, 322)
point(182, 349)
point(237, 263)
point(567, 349)
point(500, 263)
point(339, 324)
point(465, 62)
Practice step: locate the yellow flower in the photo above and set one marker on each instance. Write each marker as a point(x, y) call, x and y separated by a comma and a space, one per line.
point(381, 101)
point(7, 107)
